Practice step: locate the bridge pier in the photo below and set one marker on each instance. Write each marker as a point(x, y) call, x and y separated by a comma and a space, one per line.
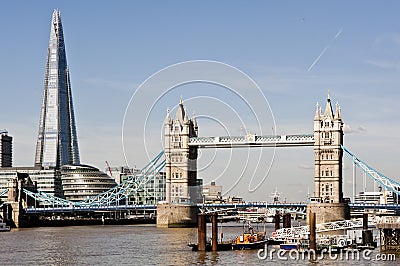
point(13, 211)
point(176, 215)
point(329, 212)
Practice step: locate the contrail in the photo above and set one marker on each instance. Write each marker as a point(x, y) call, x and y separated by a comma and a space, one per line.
point(338, 33)
point(323, 51)
point(316, 60)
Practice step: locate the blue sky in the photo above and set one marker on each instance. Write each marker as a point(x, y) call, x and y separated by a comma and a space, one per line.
point(112, 47)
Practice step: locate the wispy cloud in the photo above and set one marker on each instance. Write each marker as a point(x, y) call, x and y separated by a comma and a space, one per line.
point(305, 166)
point(349, 130)
point(389, 38)
point(384, 64)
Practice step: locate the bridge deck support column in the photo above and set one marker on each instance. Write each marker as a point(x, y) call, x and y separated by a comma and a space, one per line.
point(313, 245)
point(201, 232)
point(287, 220)
point(277, 221)
point(214, 229)
point(390, 237)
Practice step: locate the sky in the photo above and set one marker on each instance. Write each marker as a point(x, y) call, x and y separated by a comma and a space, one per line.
point(294, 51)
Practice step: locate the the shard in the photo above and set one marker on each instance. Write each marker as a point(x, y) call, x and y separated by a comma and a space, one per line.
point(57, 142)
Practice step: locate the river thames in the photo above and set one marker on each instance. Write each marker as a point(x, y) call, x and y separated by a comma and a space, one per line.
point(134, 245)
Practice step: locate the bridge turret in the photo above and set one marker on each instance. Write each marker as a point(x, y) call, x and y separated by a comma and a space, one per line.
point(318, 114)
point(328, 107)
point(195, 127)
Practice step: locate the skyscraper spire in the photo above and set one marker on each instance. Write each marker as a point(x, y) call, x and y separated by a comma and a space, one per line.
point(57, 142)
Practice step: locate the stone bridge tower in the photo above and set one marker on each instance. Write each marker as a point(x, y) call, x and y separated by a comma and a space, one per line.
point(328, 135)
point(181, 160)
point(180, 209)
point(327, 202)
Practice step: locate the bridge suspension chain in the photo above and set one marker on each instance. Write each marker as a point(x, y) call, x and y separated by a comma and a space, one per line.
point(3, 192)
point(378, 177)
point(128, 187)
point(111, 196)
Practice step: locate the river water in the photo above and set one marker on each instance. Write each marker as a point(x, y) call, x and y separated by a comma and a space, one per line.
point(135, 245)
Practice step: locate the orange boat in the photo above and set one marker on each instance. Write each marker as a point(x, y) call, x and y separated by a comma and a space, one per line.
point(250, 240)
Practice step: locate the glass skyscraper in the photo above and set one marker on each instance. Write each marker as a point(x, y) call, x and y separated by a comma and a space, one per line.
point(57, 169)
point(57, 142)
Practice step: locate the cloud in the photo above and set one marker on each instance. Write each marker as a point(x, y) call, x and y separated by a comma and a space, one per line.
point(305, 167)
point(384, 64)
point(349, 130)
point(390, 38)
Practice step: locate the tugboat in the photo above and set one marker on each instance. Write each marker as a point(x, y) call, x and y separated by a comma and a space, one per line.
point(249, 240)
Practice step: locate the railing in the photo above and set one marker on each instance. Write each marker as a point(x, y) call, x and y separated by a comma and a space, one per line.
point(324, 227)
point(254, 140)
point(387, 220)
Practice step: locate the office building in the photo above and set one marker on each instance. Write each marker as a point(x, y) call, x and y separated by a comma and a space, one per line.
point(212, 193)
point(150, 193)
point(57, 142)
point(5, 149)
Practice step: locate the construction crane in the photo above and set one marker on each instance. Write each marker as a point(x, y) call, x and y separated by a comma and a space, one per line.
point(109, 169)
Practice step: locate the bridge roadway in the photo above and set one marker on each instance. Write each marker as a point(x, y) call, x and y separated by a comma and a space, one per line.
point(153, 207)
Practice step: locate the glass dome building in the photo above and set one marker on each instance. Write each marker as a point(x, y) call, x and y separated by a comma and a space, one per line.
point(81, 182)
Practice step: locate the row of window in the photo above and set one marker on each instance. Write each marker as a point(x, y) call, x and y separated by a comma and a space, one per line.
point(177, 175)
point(176, 159)
point(327, 157)
point(83, 186)
point(104, 180)
point(326, 134)
point(326, 124)
point(326, 173)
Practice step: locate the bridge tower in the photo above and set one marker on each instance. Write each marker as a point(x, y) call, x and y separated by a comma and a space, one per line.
point(181, 160)
point(328, 154)
point(327, 202)
point(182, 190)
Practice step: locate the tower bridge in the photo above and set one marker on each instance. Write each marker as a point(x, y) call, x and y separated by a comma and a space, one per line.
point(180, 162)
point(182, 142)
